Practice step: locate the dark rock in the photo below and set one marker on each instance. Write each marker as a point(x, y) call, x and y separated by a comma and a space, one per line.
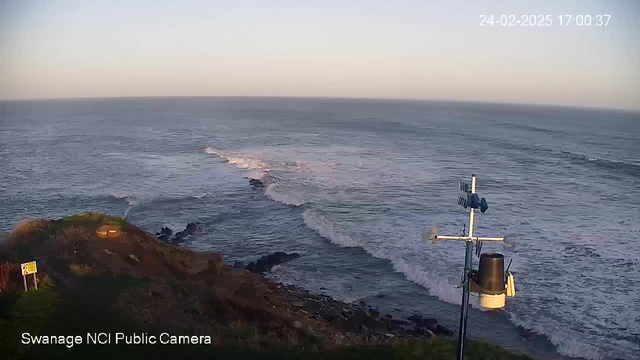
point(180, 236)
point(265, 263)
point(238, 265)
point(312, 306)
point(419, 331)
point(163, 237)
point(251, 267)
point(393, 324)
point(158, 234)
point(388, 316)
point(340, 322)
point(374, 313)
point(190, 229)
point(398, 322)
point(443, 331)
point(256, 183)
point(430, 324)
point(329, 313)
point(360, 318)
point(262, 265)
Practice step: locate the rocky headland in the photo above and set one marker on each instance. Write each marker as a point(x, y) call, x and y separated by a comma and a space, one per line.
point(97, 272)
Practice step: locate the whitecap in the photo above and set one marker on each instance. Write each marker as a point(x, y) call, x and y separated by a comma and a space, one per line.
point(320, 224)
point(257, 168)
point(287, 199)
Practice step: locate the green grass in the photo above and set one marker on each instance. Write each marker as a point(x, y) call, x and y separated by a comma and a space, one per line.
point(33, 234)
point(25, 312)
point(88, 308)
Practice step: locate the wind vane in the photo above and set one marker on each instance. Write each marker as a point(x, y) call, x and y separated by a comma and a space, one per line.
point(490, 281)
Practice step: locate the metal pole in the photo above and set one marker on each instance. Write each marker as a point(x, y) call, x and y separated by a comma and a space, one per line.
point(471, 217)
point(464, 308)
point(35, 280)
point(465, 301)
point(24, 277)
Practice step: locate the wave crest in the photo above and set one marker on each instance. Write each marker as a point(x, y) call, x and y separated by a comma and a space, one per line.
point(323, 227)
point(132, 200)
point(287, 199)
point(257, 168)
point(565, 343)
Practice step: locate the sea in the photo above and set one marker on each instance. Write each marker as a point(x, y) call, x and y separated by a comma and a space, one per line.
point(351, 185)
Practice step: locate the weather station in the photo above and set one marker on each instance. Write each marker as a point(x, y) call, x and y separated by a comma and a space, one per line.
point(491, 282)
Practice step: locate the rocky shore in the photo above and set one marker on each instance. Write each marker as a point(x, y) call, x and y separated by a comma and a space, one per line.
point(97, 272)
point(358, 321)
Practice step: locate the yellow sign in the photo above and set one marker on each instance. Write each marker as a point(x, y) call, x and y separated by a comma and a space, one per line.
point(29, 268)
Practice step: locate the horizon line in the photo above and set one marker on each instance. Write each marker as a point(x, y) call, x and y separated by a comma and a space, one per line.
point(364, 98)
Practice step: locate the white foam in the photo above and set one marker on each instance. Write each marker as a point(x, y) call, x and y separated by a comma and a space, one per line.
point(436, 285)
point(320, 224)
point(210, 150)
point(287, 199)
point(257, 168)
point(566, 343)
point(132, 200)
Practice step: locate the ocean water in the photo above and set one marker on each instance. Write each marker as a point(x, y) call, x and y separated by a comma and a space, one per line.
point(351, 185)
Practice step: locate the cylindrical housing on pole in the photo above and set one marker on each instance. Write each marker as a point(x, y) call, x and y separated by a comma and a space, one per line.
point(491, 277)
point(491, 271)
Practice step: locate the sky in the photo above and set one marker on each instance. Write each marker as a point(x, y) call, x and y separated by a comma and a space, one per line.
point(401, 49)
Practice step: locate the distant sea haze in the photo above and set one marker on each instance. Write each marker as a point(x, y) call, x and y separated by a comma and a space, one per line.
point(350, 185)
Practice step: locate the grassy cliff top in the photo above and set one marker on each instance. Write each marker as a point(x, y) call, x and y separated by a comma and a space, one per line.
point(98, 273)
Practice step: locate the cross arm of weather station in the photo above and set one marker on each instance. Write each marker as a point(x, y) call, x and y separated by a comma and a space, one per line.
point(468, 238)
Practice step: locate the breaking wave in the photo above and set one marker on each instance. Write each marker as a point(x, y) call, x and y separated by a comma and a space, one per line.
point(437, 286)
point(287, 199)
point(323, 227)
point(566, 344)
point(132, 200)
point(257, 169)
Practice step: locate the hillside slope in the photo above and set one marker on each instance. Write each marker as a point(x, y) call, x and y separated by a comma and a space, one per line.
point(100, 274)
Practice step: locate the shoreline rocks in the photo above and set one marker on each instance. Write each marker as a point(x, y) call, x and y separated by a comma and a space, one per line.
point(256, 183)
point(265, 263)
point(355, 320)
point(179, 237)
point(359, 319)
